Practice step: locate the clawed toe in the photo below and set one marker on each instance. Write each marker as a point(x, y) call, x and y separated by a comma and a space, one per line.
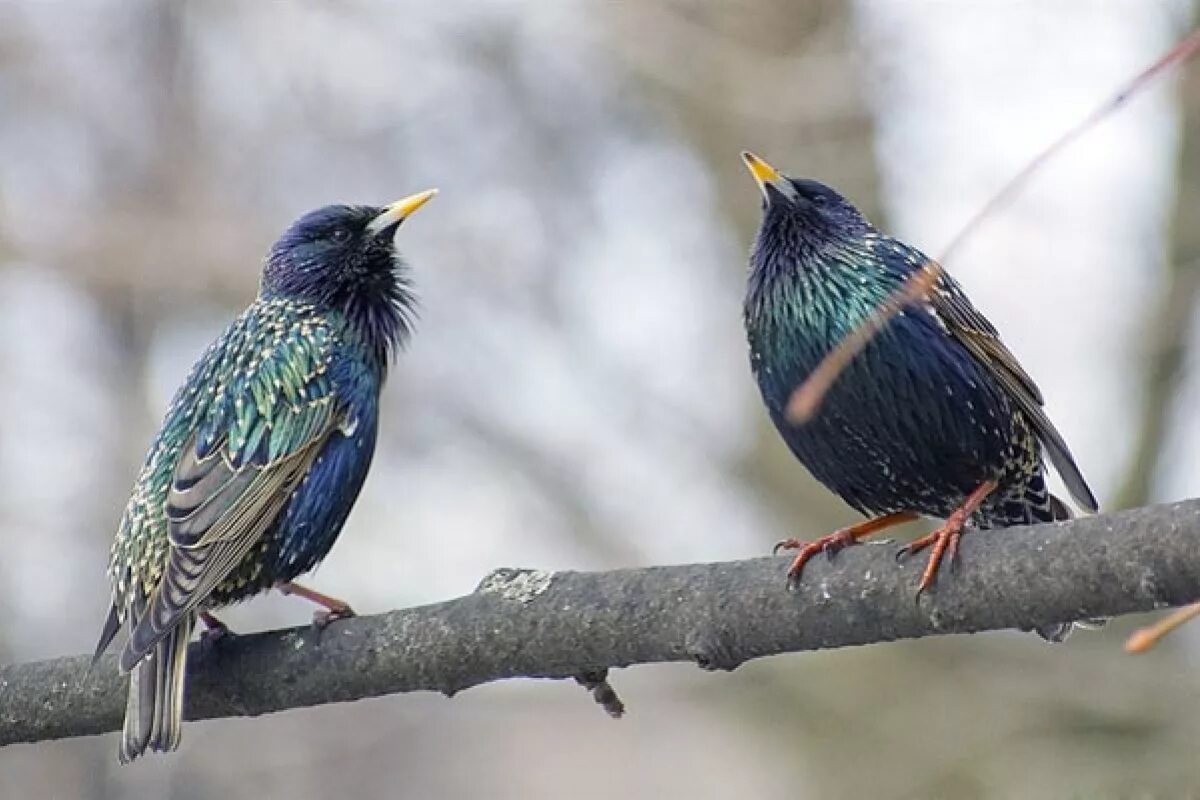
point(833, 543)
point(786, 544)
point(214, 631)
point(323, 619)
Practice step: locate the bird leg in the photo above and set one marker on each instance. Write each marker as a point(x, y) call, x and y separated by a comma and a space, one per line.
point(213, 626)
point(214, 631)
point(843, 537)
point(945, 539)
point(335, 609)
point(1145, 638)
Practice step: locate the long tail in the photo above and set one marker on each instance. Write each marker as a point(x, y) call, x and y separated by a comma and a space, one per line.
point(154, 707)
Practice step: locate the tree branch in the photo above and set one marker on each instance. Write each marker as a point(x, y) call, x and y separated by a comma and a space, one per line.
point(528, 623)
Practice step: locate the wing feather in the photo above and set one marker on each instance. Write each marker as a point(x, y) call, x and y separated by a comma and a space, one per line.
point(982, 339)
point(236, 472)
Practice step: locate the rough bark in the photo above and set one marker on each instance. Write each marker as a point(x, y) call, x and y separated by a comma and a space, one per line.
point(536, 624)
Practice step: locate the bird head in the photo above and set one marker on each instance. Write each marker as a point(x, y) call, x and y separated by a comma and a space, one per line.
point(343, 258)
point(801, 208)
point(338, 251)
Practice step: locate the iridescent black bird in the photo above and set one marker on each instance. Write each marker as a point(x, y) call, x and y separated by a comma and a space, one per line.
point(262, 452)
point(934, 417)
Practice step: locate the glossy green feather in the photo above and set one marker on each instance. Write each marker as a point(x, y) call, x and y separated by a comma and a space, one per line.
point(261, 393)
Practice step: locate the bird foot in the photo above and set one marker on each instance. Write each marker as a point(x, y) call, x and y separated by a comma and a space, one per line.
point(838, 540)
point(214, 631)
point(335, 609)
point(944, 541)
point(323, 619)
point(829, 545)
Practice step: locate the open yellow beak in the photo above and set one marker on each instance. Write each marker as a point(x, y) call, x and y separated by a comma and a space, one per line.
point(763, 172)
point(397, 212)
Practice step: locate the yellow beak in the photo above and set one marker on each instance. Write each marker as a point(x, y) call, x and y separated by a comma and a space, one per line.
point(395, 213)
point(763, 172)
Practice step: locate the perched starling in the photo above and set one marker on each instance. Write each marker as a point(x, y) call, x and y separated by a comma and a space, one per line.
point(935, 417)
point(262, 452)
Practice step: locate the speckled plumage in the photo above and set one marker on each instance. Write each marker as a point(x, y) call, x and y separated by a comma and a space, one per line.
point(934, 406)
point(264, 392)
point(262, 452)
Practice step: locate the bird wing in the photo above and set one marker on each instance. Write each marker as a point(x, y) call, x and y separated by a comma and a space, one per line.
point(966, 324)
point(251, 449)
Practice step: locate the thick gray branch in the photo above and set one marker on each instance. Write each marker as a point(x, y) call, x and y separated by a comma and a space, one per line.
point(526, 623)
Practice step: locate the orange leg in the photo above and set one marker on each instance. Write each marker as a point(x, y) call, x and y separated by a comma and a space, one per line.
point(835, 541)
point(945, 539)
point(335, 609)
point(1145, 638)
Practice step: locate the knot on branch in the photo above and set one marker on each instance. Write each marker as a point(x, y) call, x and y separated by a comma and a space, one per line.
point(712, 650)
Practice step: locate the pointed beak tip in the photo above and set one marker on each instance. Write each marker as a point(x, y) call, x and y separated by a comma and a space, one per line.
point(411, 203)
point(763, 172)
point(395, 213)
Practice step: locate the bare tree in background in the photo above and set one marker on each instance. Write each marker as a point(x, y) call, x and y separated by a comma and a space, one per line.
point(579, 365)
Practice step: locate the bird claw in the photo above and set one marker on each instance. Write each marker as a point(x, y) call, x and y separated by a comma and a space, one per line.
point(786, 544)
point(214, 629)
point(215, 632)
point(829, 545)
point(323, 619)
point(212, 638)
point(836, 541)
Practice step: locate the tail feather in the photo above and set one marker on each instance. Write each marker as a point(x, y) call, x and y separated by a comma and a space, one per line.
point(139, 706)
point(154, 707)
point(168, 717)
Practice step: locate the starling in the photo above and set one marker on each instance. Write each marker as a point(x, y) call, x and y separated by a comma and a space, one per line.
point(935, 417)
point(261, 454)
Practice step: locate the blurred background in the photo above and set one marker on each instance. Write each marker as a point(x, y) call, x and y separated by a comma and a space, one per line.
point(578, 395)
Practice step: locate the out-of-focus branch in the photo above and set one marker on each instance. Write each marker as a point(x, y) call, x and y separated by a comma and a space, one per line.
point(529, 623)
point(1167, 324)
point(1168, 321)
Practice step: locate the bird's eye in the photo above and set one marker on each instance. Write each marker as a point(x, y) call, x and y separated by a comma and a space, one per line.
point(340, 235)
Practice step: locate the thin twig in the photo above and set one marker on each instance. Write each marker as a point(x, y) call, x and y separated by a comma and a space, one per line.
point(807, 397)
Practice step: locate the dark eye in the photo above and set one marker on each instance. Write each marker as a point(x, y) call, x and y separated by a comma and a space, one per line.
point(340, 235)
